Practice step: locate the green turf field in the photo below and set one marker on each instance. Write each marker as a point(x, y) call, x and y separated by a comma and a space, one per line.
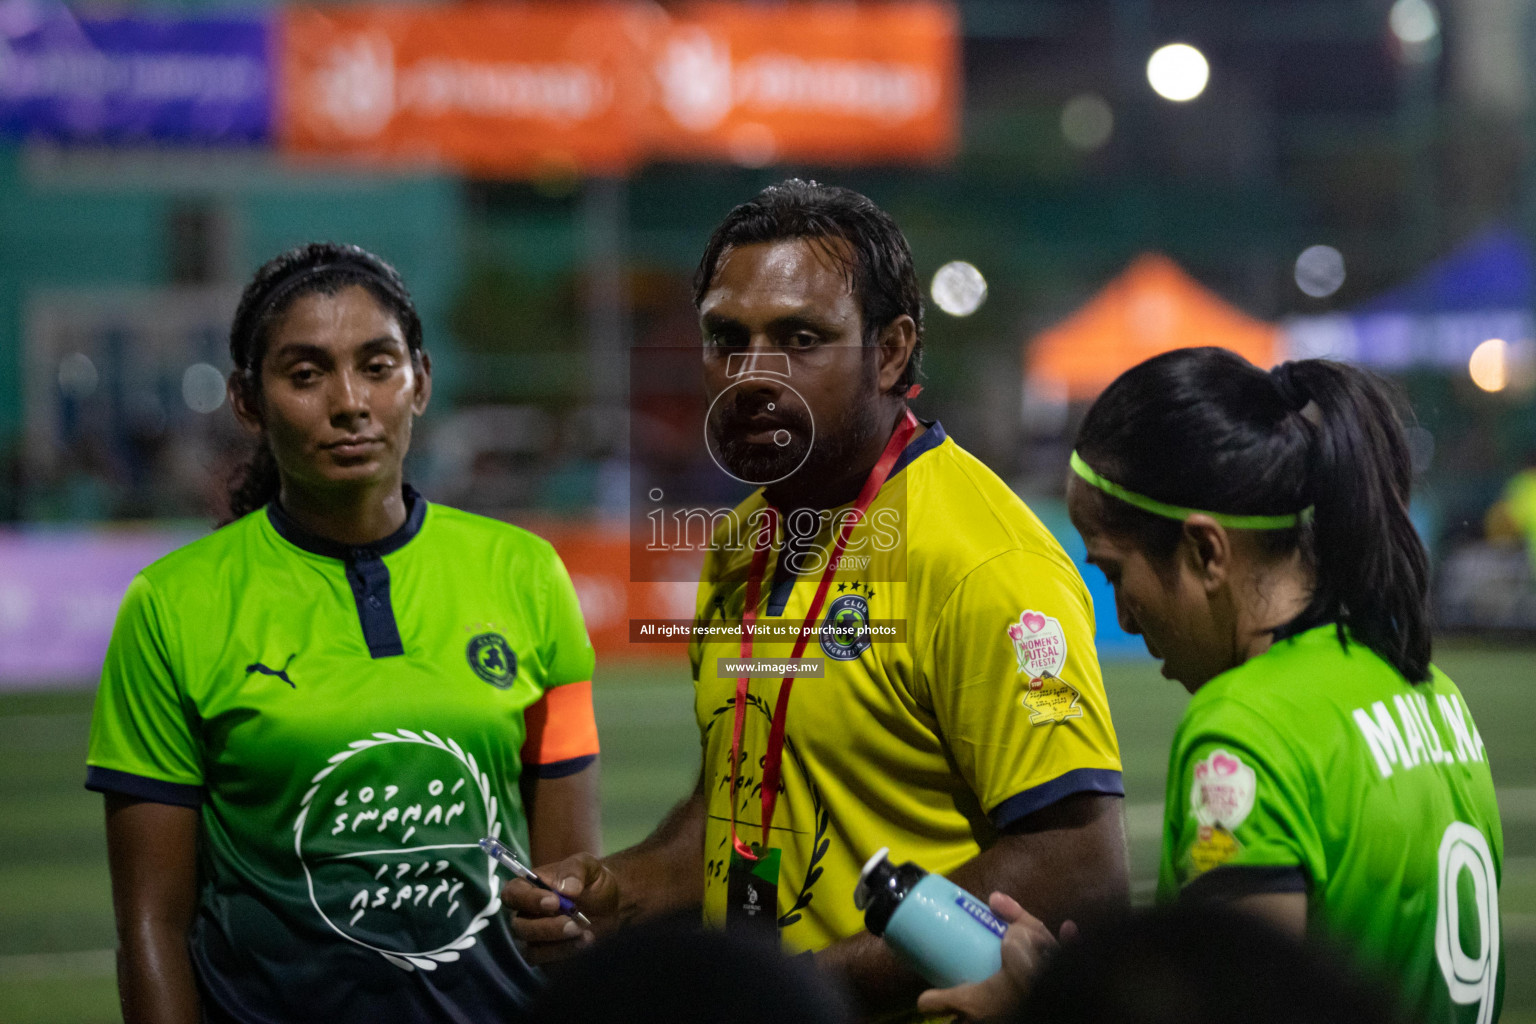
point(55, 909)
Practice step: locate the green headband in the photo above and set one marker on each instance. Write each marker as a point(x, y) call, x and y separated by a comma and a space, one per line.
point(1162, 508)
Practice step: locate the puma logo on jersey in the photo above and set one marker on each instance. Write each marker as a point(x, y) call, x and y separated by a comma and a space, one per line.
point(281, 673)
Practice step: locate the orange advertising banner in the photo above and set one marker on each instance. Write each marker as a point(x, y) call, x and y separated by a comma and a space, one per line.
point(614, 607)
point(533, 89)
point(515, 90)
point(823, 82)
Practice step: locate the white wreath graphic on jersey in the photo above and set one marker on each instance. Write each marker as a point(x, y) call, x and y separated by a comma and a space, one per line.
point(432, 880)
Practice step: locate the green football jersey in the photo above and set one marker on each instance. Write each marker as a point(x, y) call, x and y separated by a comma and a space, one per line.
point(349, 721)
point(1318, 768)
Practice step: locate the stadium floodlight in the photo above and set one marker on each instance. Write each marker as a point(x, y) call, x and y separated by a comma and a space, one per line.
point(1178, 72)
point(1489, 365)
point(1319, 270)
point(958, 288)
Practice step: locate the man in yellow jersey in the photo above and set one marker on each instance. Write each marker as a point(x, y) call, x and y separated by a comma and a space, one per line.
point(947, 703)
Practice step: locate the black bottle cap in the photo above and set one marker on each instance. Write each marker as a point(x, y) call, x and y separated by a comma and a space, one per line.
point(882, 886)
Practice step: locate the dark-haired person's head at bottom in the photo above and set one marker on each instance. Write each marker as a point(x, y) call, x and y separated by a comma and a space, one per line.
point(1201, 964)
point(672, 970)
point(1254, 526)
point(308, 718)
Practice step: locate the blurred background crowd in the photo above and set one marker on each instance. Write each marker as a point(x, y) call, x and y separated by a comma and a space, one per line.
point(1290, 178)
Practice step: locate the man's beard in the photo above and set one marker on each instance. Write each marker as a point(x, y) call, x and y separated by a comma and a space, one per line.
point(760, 464)
point(803, 465)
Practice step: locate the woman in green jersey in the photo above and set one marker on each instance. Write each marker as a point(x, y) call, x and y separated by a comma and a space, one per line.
point(309, 718)
point(1326, 776)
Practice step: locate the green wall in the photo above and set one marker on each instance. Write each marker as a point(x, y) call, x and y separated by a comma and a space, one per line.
point(104, 221)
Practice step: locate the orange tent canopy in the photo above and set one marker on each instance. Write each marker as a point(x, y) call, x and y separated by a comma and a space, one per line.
point(1153, 307)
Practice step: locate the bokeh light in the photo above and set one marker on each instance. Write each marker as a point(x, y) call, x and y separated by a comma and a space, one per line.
point(202, 387)
point(1087, 121)
point(1319, 270)
point(958, 288)
point(1489, 365)
point(753, 145)
point(77, 375)
point(1414, 22)
point(1178, 72)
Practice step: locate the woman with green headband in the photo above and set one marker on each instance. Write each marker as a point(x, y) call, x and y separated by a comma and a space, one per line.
point(1326, 776)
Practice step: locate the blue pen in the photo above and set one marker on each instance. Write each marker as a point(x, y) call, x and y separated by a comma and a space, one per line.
point(497, 851)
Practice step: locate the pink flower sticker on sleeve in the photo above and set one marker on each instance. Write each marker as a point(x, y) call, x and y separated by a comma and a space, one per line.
point(1039, 644)
point(1224, 790)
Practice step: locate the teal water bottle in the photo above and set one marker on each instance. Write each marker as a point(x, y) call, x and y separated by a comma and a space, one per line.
point(946, 934)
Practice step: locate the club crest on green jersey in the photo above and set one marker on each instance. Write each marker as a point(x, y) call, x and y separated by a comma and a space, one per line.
point(845, 628)
point(493, 659)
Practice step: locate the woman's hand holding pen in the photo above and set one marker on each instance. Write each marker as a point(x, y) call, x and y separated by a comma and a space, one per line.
point(549, 934)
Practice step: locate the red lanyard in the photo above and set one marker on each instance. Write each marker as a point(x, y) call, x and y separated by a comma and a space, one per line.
point(774, 756)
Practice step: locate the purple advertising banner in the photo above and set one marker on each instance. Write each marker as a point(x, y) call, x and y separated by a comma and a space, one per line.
point(59, 592)
point(133, 80)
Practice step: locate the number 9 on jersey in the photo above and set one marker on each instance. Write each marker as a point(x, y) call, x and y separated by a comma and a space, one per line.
point(1471, 977)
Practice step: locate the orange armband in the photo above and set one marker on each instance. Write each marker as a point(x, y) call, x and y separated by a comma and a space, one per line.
point(562, 732)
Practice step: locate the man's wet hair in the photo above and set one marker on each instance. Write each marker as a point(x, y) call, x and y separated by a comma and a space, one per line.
point(875, 259)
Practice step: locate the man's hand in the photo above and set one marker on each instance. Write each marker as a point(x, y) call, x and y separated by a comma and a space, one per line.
point(1066, 860)
point(537, 919)
point(661, 874)
point(1026, 943)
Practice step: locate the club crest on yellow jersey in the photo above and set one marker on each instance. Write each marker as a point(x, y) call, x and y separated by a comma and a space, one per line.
point(845, 626)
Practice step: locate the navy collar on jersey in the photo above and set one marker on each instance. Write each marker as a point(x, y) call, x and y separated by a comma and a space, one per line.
point(366, 572)
point(927, 441)
point(299, 537)
point(784, 580)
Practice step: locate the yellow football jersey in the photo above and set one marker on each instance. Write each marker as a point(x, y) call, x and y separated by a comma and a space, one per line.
point(987, 706)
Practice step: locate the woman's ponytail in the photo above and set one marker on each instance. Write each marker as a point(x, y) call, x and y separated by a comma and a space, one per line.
point(253, 484)
point(1372, 569)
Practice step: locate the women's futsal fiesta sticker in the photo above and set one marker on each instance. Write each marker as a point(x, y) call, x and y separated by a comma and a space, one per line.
point(1040, 646)
point(1220, 800)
